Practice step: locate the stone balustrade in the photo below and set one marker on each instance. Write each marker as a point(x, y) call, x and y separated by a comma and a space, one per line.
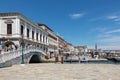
point(6, 56)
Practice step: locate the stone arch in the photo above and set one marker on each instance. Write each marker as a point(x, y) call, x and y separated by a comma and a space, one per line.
point(7, 43)
point(35, 58)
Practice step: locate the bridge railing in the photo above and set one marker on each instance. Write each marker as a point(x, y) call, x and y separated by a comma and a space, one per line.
point(6, 56)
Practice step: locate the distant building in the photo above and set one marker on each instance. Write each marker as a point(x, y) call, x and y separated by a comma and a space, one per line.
point(111, 51)
point(61, 44)
point(69, 47)
point(64, 46)
point(81, 49)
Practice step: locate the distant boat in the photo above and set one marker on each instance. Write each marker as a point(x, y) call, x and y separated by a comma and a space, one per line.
point(82, 61)
point(110, 58)
point(117, 58)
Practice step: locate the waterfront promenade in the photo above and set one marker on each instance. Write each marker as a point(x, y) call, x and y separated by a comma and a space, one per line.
point(52, 71)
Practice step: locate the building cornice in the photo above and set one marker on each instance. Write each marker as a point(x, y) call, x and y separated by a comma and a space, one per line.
point(21, 16)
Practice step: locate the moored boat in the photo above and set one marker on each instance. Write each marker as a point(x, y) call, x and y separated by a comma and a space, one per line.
point(117, 58)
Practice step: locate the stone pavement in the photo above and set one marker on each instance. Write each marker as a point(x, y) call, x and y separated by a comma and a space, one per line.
point(52, 71)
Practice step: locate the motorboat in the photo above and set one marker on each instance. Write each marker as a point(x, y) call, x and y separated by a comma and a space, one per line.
point(117, 58)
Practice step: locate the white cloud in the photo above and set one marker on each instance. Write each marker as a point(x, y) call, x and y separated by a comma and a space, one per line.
point(112, 17)
point(99, 29)
point(98, 18)
point(77, 15)
point(115, 18)
point(103, 35)
point(108, 37)
point(113, 31)
point(111, 40)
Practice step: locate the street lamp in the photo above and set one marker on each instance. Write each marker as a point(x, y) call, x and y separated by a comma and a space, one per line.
point(23, 45)
point(3, 42)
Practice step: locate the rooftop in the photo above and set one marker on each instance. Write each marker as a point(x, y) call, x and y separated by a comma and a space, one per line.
point(16, 14)
point(10, 14)
point(39, 24)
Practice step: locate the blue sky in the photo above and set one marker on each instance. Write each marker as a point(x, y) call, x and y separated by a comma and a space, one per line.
point(80, 22)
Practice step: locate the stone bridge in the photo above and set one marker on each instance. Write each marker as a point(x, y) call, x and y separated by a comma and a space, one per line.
point(31, 55)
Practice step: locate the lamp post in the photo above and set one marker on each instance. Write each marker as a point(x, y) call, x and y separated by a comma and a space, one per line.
point(23, 45)
point(3, 42)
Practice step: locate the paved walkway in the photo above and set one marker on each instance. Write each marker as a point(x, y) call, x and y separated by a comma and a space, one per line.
point(52, 71)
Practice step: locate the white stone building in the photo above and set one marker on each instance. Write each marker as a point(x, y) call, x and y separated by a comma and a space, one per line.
point(52, 40)
point(15, 28)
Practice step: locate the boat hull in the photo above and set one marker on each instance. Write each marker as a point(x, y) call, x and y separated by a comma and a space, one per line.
point(117, 59)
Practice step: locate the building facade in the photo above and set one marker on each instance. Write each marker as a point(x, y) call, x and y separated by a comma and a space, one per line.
point(15, 28)
point(52, 40)
point(69, 47)
point(81, 49)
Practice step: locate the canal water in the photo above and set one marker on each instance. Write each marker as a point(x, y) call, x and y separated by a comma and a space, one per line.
point(91, 62)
